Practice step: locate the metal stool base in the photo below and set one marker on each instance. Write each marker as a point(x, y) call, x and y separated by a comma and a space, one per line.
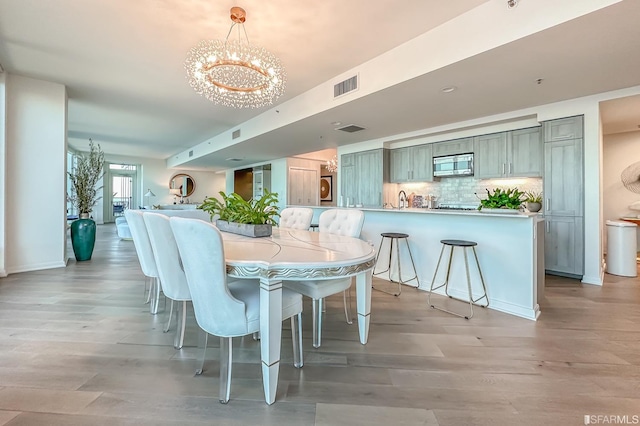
point(471, 300)
point(392, 237)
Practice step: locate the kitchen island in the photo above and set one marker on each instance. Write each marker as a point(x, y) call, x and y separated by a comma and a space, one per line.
point(510, 250)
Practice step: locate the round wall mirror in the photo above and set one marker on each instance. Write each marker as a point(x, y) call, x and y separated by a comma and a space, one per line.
point(184, 183)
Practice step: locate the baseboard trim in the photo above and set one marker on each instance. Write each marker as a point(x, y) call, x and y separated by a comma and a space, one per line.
point(37, 267)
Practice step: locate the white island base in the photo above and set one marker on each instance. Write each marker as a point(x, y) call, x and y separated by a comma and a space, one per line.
point(510, 251)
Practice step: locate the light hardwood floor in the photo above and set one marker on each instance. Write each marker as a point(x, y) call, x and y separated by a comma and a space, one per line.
point(78, 347)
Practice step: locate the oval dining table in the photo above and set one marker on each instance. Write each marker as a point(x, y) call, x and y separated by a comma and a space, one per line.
point(290, 254)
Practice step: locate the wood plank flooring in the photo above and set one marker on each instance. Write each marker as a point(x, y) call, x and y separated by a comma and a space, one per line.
point(79, 347)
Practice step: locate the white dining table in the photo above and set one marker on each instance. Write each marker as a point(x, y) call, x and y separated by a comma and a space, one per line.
point(290, 254)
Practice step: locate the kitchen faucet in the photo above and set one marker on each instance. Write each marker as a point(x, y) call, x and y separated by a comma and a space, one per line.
point(402, 199)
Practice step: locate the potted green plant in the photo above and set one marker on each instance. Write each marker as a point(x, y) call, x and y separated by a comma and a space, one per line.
point(533, 201)
point(502, 200)
point(84, 177)
point(253, 218)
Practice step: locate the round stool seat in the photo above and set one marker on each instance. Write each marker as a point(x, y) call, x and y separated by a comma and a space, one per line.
point(459, 243)
point(394, 235)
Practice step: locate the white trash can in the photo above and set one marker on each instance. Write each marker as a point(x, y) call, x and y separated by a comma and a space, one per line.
point(622, 248)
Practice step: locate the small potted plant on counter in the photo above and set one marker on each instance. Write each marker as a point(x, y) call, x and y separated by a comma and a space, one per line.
point(533, 201)
point(253, 218)
point(502, 201)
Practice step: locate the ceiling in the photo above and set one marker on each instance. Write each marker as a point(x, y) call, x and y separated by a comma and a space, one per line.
point(122, 63)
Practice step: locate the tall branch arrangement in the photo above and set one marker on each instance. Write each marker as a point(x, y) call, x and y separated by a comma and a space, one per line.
point(84, 177)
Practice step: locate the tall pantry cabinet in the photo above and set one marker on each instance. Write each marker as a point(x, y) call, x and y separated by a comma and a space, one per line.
point(563, 196)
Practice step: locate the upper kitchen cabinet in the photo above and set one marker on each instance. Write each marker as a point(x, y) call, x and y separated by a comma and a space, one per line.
point(363, 175)
point(411, 164)
point(563, 129)
point(517, 153)
point(490, 156)
point(525, 153)
point(453, 147)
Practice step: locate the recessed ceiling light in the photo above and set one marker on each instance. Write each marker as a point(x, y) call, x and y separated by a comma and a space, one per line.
point(448, 89)
point(336, 123)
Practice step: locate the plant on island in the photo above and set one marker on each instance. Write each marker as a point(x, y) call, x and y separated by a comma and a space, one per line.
point(510, 198)
point(233, 208)
point(532, 197)
point(84, 177)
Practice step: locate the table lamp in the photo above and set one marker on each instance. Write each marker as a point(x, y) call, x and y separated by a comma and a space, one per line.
point(148, 195)
point(175, 192)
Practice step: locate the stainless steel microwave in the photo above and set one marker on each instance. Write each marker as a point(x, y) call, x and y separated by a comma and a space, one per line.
point(453, 165)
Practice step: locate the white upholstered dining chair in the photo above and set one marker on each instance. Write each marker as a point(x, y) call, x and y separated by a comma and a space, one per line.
point(144, 251)
point(225, 309)
point(174, 282)
point(345, 222)
point(296, 218)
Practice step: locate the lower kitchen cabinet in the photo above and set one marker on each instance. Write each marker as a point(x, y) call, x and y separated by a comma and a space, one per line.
point(564, 245)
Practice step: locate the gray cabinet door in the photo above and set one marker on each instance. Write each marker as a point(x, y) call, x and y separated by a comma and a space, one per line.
point(490, 158)
point(348, 179)
point(564, 245)
point(525, 153)
point(422, 163)
point(369, 168)
point(563, 129)
point(399, 163)
point(456, 146)
point(563, 187)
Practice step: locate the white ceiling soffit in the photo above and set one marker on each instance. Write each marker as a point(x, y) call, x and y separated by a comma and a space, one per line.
point(122, 63)
point(572, 59)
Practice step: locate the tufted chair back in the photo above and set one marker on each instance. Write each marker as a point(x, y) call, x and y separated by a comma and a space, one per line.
point(202, 252)
point(165, 251)
point(346, 222)
point(296, 218)
point(141, 242)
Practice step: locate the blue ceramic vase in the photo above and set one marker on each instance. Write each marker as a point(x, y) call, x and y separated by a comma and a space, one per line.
point(83, 238)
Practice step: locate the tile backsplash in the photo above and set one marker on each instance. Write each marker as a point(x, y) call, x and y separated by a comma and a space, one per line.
point(459, 190)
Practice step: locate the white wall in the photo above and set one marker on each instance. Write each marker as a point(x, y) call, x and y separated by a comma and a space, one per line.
point(36, 116)
point(619, 151)
point(3, 193)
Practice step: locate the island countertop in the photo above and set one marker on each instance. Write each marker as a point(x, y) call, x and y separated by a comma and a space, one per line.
point(510, 250)
point(493, 212)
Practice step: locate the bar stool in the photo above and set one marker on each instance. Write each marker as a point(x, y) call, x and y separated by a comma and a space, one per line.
point(464, 245)
point(396, 237)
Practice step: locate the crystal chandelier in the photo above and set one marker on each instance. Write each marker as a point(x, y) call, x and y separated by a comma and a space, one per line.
point(234, 73)
point(332, 165)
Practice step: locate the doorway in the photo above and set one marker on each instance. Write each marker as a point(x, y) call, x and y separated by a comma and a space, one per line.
point(121, 180)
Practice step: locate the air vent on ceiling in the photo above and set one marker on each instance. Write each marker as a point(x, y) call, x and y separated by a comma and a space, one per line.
point(234, 159)
point(190, 153)
point(351, 128)
point(346, 86)
point(235, 134)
